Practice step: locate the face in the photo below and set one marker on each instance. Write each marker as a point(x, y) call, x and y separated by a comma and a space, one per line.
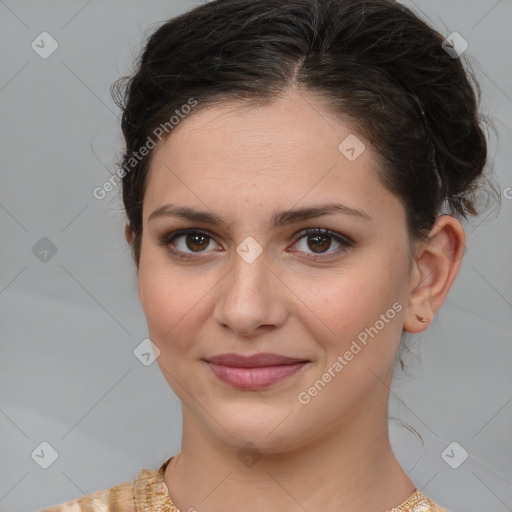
point(326, 289)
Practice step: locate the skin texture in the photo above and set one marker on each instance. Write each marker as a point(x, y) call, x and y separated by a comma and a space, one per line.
point(244, 163)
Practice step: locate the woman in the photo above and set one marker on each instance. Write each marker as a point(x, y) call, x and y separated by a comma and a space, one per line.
point(293, 177)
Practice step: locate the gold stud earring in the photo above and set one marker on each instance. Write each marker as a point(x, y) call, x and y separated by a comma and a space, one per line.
point(420, 318)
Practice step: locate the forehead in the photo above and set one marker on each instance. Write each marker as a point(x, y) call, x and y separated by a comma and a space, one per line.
point(237, 156)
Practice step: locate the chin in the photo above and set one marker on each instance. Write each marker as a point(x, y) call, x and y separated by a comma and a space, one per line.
point(266, 427)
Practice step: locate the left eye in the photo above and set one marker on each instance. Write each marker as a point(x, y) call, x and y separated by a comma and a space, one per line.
point(319, 241)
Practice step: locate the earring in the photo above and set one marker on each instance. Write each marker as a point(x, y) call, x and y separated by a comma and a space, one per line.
point(420, 318)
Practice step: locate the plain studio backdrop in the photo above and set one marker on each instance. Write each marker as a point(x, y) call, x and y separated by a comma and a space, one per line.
point(74, 395)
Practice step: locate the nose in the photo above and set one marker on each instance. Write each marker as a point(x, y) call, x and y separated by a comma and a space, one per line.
point(251, 299)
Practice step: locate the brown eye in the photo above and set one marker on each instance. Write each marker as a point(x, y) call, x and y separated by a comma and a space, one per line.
point(319, 243)
point(187, 243)
point(316, 242)
point(197, 241)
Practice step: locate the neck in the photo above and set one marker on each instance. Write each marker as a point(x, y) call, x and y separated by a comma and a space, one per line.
point(350, 468)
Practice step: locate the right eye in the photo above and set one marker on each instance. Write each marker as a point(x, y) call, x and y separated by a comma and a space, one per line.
point(185, 243)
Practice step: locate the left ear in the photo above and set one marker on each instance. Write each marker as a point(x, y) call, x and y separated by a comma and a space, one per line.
point(435, 265)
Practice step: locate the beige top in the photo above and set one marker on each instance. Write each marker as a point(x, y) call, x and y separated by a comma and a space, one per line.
point(149, 493)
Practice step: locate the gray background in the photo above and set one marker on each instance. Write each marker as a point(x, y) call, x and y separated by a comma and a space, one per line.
point(70, 324)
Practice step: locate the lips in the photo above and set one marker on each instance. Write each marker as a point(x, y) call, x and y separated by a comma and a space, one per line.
point(254, 361)
point(256, 371)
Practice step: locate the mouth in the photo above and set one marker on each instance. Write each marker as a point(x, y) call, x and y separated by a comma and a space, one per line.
point(254, 372)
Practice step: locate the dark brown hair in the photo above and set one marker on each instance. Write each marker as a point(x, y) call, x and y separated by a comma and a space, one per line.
point(373, 62)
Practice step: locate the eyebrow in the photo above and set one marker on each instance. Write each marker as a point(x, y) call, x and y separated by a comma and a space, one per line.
point(278, 219)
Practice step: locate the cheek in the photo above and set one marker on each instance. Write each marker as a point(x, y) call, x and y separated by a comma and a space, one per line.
point(173, 301)
point(363, 304)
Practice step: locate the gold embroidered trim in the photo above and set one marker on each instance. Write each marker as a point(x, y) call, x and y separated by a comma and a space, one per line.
point(417, 502)
point(150, 492)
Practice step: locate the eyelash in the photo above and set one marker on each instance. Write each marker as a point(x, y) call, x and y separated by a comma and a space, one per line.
point(344, 241)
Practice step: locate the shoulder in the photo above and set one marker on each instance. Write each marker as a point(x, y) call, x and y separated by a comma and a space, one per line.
point(130, 496)
point(117, 498)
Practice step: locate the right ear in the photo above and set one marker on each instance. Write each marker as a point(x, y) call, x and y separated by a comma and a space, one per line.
point(129, 234)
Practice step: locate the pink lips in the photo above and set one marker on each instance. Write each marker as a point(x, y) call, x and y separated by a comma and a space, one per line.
point(254, 372)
